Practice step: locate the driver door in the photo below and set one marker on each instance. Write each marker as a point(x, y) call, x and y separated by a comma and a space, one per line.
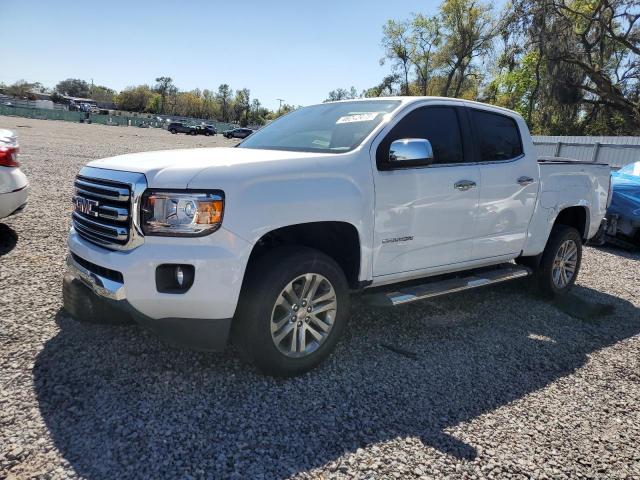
point(425, 215)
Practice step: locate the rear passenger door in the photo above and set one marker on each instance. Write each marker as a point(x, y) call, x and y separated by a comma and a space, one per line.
point(423, 218)
point(509, 184)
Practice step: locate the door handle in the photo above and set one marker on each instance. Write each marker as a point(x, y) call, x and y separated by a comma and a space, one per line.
point(524, 180)
point(464, 185)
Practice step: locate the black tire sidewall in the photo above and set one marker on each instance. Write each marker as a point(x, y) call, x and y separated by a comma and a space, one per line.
point(268, 277)
point(559, 235)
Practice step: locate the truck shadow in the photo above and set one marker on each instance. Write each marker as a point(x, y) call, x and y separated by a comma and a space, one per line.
point(119, 403)
point(631, 252)
point(8, 239)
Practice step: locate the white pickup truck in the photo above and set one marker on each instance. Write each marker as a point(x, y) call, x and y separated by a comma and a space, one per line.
point(408, 198)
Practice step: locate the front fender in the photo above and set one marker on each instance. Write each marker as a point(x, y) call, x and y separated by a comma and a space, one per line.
point(264, 196)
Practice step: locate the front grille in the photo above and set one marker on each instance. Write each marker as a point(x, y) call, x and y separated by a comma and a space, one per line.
point(102, 213)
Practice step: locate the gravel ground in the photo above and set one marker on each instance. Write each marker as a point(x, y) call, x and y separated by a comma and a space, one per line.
point(492, 383)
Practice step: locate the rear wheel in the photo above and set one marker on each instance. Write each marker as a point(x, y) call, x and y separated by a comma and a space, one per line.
point(173, 130)
point(292, 311)
point(560, 262)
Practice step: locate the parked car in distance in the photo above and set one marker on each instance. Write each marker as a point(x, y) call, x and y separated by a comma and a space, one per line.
point(206, 130)
point(14, 186)
point(181, 127)
point(238, 133)
point(404, 198)
point(623, 215)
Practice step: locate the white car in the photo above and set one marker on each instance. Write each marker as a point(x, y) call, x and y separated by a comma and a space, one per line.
point(14, 186)
point(267, 240)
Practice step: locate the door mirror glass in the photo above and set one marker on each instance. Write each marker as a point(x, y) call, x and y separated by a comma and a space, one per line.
point(412, 151)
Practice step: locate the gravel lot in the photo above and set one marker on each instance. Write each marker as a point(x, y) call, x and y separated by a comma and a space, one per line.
point(492, 383)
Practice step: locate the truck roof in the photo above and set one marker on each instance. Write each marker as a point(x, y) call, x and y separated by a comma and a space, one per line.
point(405, 99)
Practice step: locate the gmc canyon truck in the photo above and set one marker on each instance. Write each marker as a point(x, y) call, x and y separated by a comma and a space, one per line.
point(404, 198)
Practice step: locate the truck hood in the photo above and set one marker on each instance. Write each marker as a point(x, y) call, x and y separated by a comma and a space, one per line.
point(176, 168)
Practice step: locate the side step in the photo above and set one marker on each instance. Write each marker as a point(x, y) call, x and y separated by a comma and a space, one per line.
point(438, 287)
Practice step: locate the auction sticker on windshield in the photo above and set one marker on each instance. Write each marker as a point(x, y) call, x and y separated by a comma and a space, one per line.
point(358, 117)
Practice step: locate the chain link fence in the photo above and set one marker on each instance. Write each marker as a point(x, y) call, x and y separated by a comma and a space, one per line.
point(110, 119)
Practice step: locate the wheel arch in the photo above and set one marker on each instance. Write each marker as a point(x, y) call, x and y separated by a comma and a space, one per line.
point(576, 216)
point(338, 239)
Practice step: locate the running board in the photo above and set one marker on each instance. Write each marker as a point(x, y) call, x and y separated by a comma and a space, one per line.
point(438, 287)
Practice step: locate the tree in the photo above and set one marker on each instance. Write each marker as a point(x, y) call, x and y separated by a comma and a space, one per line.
point(342, 94)
point(395, 41)
point(73, 87)
point(424, 41)
point(386, 87)
point(154, 104)
point(135, 99)
point(188, 104)
point(22, 89)
point(283, 110)
point(572, 66)
point(224, 97)
point(602, 42)
point(469, 30)
point(257, 112)
point(241, 106)
point(102, 94)
point(210, 105)
point(165, 87)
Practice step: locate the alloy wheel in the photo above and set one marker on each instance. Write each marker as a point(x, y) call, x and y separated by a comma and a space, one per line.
point(303, 315)
point(564, 264)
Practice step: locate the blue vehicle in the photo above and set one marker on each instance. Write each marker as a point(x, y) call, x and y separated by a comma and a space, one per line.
point(623, 216)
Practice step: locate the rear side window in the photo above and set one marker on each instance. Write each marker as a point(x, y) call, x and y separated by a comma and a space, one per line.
point(439, 125)
point(497, 135)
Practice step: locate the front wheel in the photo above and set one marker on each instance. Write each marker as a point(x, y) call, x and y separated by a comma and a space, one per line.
point(292, 311)
point(560, 261)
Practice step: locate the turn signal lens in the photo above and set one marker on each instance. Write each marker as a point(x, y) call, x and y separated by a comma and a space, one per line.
point(209, 212)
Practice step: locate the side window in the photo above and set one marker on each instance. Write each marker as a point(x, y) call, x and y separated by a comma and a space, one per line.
point(439, 125)
point(497, 135)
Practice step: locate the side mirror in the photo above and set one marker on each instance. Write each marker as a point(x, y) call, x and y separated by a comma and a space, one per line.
point(416, 151)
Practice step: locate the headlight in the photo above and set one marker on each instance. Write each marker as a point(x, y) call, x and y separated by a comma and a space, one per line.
point(181, 213)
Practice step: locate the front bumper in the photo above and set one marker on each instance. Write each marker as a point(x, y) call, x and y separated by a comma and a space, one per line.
point(94, 298)
point(109, 284)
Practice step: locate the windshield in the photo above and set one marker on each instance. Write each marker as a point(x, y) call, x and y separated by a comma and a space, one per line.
point(328, 128)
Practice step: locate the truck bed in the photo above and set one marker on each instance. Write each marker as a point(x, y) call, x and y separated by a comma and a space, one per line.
point(565, 160)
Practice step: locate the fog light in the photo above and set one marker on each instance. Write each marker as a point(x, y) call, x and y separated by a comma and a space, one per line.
point(172, 278)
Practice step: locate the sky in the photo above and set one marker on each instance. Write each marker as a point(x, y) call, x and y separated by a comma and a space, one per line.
point(294, 50)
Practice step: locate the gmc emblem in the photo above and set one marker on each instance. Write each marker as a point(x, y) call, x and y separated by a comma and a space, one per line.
point(86, 206)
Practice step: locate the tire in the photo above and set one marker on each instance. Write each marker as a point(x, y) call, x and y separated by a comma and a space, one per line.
point(173, 130)
point(551, 281)
point(206, 134)
point(80, 303)
point(265, 306)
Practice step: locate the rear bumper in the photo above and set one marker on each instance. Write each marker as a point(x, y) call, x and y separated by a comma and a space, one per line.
point(13, 202)
point(90, 296)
